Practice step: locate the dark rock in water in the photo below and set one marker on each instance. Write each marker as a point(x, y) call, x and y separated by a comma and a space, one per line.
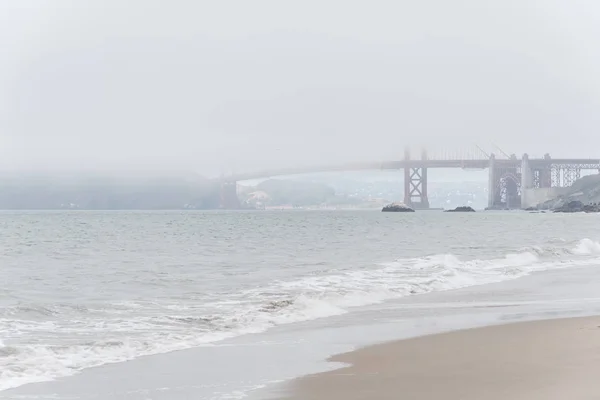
point(461, 209)
point(591, 208)
point(531, 209)
point(397, 207)
point(496, 208)
point(577, 206)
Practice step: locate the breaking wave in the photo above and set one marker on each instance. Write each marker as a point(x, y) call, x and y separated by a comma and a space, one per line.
point(586, 247)
point(137, 329)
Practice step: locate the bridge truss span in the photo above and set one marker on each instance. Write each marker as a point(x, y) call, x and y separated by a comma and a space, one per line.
point(509, 176)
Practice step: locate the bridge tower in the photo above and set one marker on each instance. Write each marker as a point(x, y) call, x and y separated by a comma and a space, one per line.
point(526, 173)
point(505, 179)
point(228, 199)
point(544, 174)
point(492, 188)
point(415, 182)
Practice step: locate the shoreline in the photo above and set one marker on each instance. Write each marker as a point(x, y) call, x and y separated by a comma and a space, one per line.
point(541, 359)
point(216, 370)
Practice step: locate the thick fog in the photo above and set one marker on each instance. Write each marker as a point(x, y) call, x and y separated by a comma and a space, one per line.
point(222, 86)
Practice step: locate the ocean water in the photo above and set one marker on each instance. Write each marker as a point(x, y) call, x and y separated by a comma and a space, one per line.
point(84, 289)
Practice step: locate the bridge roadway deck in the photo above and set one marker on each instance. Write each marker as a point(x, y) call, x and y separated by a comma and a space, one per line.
point(391, 165)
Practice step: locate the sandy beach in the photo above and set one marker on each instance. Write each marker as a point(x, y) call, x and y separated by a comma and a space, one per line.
point(551, 359)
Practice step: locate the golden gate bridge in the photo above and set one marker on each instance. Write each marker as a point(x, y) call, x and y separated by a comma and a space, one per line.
point(513, 181)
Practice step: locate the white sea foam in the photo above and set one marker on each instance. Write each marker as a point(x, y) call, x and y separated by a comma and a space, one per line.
point(587, 246)
point(136, 329)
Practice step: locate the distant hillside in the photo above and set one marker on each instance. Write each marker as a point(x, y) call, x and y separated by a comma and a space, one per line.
point(275, 192)
point(106, 192)
point(296, 193)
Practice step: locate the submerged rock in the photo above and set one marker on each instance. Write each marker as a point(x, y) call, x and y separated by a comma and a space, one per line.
point(461, 209)
point(397, 207)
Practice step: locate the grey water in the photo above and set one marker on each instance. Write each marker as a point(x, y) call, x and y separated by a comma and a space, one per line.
point(84, 292)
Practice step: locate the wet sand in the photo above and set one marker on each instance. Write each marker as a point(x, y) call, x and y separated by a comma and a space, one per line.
point(552, 359)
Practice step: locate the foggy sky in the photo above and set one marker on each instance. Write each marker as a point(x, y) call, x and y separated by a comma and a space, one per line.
point(222, 86)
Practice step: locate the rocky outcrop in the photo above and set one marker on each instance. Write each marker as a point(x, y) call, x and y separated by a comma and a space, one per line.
point(584, 192)
point(575, 206)
point(461, 209)
point(591, 208)
point(397, 207)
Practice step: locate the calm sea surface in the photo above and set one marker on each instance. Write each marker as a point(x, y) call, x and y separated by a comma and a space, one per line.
point(83, 289)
